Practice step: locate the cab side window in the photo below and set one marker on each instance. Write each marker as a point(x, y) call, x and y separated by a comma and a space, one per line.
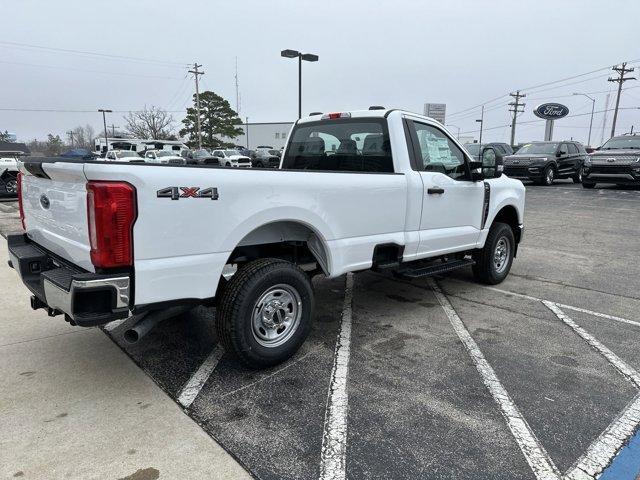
point(436, 152)
point(572, 149)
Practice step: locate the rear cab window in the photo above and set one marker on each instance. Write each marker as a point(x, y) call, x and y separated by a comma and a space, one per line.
point(340, 145)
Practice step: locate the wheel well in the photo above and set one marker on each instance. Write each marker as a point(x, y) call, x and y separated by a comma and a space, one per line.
point(289, 240)
point(509, 215)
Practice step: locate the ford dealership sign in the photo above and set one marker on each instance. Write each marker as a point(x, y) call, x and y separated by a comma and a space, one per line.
point(551, 111)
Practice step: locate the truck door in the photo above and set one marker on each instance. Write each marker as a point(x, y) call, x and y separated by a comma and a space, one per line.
point(451, 202)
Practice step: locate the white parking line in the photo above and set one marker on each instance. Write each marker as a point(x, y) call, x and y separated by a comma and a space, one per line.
point(562, 305)
point(192, 388)
point(606, 446)
point(334, 438)
point(535, 454)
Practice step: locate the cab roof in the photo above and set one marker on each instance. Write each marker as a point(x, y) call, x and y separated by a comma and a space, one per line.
point(376, 113)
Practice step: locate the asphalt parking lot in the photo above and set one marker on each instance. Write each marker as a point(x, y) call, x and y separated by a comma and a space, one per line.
point(441, 378)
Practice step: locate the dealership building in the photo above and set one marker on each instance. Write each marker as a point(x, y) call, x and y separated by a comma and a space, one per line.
point(272, 134)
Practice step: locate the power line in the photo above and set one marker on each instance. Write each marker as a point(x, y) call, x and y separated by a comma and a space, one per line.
point(88, 71)
point(95, 54)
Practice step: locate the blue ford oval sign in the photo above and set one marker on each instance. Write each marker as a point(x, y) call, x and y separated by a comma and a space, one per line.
point(551, 111)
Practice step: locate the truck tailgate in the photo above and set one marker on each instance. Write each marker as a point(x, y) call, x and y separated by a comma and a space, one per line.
point(54, 198)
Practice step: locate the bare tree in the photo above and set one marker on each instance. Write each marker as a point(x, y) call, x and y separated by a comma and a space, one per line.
point(83, 136)
point(153, 123)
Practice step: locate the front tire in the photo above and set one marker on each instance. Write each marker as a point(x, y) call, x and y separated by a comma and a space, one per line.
point(493, 261)
point(265, 312)
point(548, 176)
point(588, 185)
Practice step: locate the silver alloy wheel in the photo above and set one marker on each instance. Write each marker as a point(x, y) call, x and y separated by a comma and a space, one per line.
point(501, 255)
point(550, 175)
point(11, 186)
point(276, 315)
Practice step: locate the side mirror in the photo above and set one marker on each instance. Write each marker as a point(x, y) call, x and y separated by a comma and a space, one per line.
point(561, 153)
point(492, 164)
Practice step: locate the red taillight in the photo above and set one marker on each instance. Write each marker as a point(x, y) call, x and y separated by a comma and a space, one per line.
point(333, 116)
point(111, 208)
point(20, 207)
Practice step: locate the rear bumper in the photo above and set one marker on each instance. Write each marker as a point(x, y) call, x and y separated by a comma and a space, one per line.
point(86, 299)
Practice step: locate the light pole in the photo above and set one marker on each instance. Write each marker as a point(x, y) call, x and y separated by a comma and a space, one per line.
point(593, 104)
point(246, 128)
point(307, 57)
point(455, 126)
point(104, 120)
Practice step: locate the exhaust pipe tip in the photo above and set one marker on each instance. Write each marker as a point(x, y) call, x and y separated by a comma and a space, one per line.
point(131, 336)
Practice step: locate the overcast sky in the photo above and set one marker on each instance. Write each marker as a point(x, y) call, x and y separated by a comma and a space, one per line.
point(398, 53)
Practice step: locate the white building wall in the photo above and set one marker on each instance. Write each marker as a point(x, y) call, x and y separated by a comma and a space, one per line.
point(273, 134)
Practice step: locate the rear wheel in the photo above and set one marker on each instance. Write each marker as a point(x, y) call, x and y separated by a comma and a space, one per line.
point(10, 184)
point(265, 312)
point(588, 185)
point(493, 261)
point(577, 178)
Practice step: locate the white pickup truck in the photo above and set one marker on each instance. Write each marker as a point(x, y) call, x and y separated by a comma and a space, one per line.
point(374, 189)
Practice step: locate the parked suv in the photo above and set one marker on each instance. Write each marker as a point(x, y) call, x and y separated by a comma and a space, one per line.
point(265, 159)
point(543, 162)
point(617, 161)
point(199, 157)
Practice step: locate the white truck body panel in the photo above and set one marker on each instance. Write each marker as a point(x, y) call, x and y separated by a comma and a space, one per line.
point(181, 247)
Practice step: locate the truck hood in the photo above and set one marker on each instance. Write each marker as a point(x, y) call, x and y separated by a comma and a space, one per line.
point(238, 157)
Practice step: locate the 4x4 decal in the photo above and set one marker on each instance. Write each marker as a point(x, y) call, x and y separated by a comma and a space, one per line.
point(176, 193)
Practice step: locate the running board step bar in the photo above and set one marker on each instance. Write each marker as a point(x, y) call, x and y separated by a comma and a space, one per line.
point(436, 269)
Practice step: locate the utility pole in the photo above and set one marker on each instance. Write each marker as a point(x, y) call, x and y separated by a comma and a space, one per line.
point(237, 90)
point(621, 70)
point(197, 73)
point(70, 133)
point(481, 121)
point(104, 121)
point(604, 117)
point(246, 128)
point(516, 110)
point(113, 129)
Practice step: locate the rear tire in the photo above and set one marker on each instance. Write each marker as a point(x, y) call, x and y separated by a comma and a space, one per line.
point(265, 312)
point(577, 178)
point(588, 185)
point(494, 260)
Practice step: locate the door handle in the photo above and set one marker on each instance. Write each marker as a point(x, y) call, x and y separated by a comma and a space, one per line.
point(433, 190)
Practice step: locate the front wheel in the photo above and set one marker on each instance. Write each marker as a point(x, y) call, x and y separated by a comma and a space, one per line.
point(265, 312)
point(494, 260)
point(588, 185)
point(548, 176)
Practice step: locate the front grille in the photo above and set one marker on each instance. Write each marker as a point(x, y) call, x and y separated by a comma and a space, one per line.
point(175, 161)
point(614, 160)
point(517, 161)
point(611, 168)
point(516, 171)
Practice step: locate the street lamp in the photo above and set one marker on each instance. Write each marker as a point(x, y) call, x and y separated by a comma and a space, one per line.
point(593, 104)
point(455, 126)
point(307, 57)
point(104, 120)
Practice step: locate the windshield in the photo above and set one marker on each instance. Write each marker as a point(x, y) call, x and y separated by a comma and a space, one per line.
point(231, 152)
point(202, 153)
point(473, 148)
point(274, 152)
point(358, 145)
point(534, 148)
point(617, 143)
point(126, 154)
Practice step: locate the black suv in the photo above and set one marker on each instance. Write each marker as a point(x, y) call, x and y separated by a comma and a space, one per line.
point(617, 161)
point(543, 162)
